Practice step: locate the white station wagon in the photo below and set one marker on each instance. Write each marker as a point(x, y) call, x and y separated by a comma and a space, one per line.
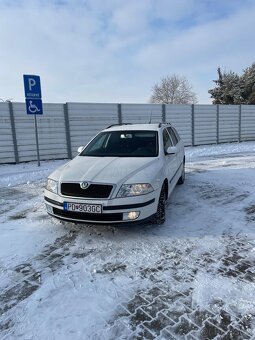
point(125, 173)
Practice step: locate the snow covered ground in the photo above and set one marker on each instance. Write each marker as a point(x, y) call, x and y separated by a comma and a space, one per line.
point(191, 278)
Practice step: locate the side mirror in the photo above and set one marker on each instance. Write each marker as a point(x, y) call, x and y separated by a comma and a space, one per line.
point(172, 150)
point(80, 148)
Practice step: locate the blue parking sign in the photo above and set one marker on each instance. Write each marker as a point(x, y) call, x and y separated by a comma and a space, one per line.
point(32, 86)
point(34, 106)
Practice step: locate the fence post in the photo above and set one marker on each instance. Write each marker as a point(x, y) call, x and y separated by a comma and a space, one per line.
point(193, 124)
point(14, 137)
point(240, 124)
point(217, 123)
point(119, 114)
point(163, 113)
point(68, 136)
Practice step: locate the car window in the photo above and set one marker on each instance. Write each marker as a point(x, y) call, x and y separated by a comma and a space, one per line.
point(166, 140)
point(133, 143)
point(176, 134)
point(173, 137)
point(100, 142)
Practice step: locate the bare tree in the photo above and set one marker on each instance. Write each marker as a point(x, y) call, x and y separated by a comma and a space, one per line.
point(6, 101)
point(173, 89)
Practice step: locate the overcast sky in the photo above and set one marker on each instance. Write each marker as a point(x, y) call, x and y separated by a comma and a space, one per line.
point(116, 50)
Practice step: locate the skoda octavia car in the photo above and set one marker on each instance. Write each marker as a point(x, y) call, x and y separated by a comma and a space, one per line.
point(125, 173)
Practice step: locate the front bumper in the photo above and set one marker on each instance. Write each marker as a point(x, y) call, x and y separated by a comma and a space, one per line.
point(113, 210)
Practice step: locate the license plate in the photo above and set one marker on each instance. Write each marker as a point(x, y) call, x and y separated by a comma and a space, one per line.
point(83, 207)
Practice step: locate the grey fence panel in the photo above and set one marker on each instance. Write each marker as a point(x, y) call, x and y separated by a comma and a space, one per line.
point(63, 128)
point(86, 120)
point(51, 132)
point(141, 113)
point(24, 125)
point(228, 123)
point(205, 124)
point(6, 141)
point(247, 122)
point(180, 116)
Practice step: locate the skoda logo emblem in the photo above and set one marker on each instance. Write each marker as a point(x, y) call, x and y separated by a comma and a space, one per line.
point(84, 185)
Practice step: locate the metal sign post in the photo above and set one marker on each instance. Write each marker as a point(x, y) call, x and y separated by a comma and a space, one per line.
point(37, 143)
point(34, 107)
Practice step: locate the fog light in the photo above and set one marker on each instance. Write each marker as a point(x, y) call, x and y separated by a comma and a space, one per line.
point(49, 208)
point(132, 215)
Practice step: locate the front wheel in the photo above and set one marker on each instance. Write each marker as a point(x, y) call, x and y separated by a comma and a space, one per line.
point(160, 216)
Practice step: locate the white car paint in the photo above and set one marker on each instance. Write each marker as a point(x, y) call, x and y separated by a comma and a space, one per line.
point(118, 171)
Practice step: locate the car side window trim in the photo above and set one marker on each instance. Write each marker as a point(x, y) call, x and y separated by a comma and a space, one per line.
point(176, 134)
point(168, 138)
point(172, 136)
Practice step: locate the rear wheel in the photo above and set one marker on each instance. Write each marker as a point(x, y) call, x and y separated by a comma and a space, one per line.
point(160, 216)
point(182, 178)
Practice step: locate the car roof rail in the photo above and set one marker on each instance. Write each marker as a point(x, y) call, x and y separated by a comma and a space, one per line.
point(162, 124)
point(108, 127)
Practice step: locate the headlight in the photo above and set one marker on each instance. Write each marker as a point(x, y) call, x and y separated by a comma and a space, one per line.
point(52, 185)
point(134, 189)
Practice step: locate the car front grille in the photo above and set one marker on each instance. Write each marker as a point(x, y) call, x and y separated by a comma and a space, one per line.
point(93, 191)
point(116, 217)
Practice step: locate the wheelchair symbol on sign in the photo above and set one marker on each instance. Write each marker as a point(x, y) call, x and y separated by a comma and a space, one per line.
point(32, 107)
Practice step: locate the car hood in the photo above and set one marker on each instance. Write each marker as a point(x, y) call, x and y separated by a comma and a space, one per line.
point(102, 169)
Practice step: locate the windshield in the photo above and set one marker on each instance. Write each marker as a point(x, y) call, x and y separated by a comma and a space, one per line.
point(123, 144)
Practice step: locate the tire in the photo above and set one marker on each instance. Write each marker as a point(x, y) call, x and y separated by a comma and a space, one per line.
point(181, 180)
point(160, 216)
